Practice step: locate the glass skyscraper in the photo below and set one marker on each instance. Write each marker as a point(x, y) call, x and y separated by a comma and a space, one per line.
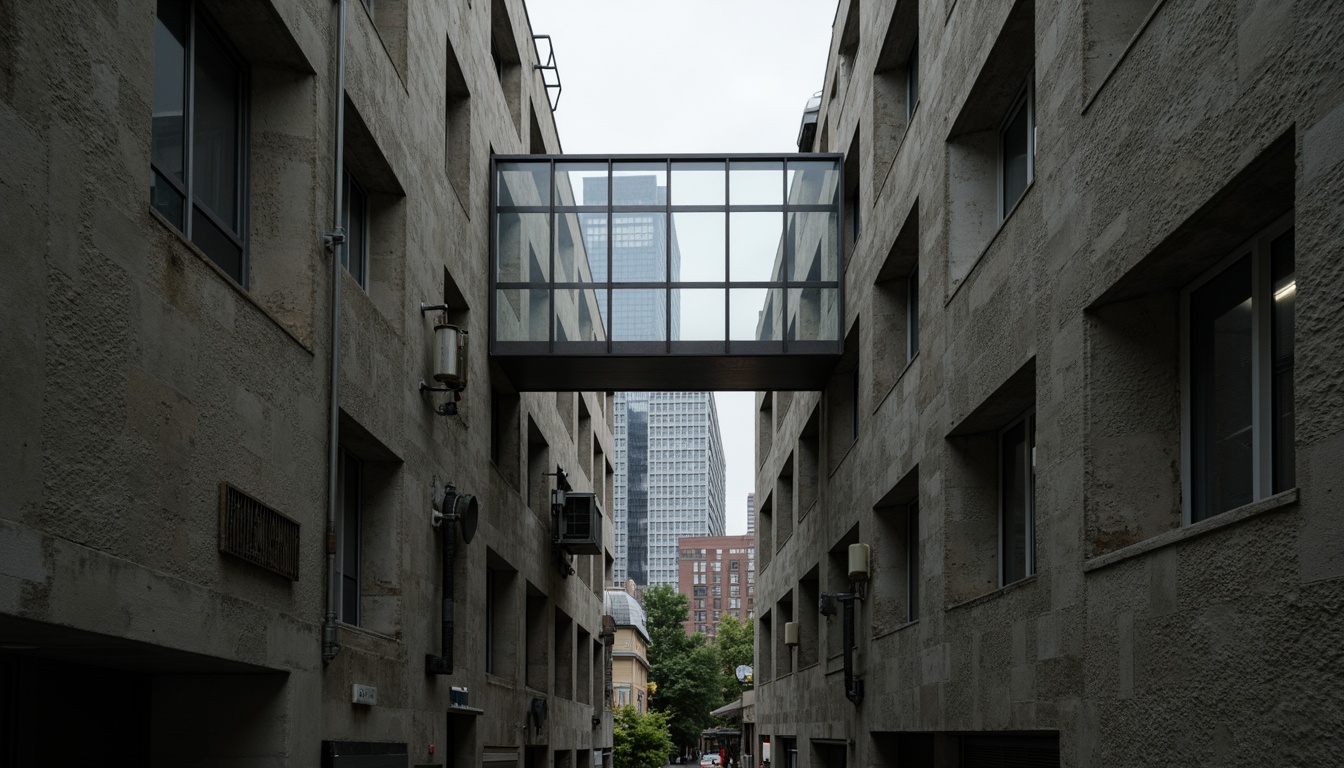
point(669, 451)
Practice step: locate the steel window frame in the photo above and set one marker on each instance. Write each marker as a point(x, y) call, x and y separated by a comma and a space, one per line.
point(665, 347)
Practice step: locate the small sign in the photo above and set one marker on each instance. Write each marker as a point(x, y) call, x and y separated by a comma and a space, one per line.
point(364, 694)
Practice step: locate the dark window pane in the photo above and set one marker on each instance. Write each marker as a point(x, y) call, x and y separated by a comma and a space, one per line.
point(166, 199)
point(170, 63)
point(912, 314)
point(1284, 285)
point(355, 254)
point(912, 562)
point(912, 81)
point(1220, 392)
point(1015, 160)
point(215, 129)
point(1014, 469)
point(217, 245)
point(350, 534)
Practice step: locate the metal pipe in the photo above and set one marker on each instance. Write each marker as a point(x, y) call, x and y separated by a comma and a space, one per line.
point(853, 687)
point(449, 536)
point(334, 240)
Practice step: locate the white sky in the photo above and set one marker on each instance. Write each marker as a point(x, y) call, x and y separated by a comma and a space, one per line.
point(671, 76)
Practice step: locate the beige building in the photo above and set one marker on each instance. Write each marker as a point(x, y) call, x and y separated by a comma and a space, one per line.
point(216, 544)
point(629, 650)
point(1089, 422)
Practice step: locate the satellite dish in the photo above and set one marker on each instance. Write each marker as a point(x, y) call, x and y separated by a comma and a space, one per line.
point(450, 506)
point(743, 673)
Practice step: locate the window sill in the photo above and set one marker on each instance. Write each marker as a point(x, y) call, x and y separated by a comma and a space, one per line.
point(899, 377)
point(1133, 41)
point(1001, 591)
point(358, 638)
point(1277, 502)
point(224, 276)
point(496, 681)
point(994, 238)
point(879, 633)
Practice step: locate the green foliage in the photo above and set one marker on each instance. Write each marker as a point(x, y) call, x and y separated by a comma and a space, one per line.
point(640, 741)
point(685, 669)
point(735, 641)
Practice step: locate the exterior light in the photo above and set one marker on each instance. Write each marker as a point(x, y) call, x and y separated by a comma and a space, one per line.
point(450, 359)
point(858, 562)
point(791, 634)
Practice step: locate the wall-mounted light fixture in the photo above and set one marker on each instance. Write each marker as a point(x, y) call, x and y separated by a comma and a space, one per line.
point(791, 634)
point(858, 577)
point(450, 359)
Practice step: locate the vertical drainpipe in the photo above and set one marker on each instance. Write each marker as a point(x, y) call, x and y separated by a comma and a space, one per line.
point(334, 239)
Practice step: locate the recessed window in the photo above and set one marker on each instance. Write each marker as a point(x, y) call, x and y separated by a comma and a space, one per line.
point(1017, 149)
point(355, 219)
point(912, 561)
point(198, 152)
point(912, 81)
point(349, 532)
point(912, 315)
point(1017, 499)
point(1239, 376)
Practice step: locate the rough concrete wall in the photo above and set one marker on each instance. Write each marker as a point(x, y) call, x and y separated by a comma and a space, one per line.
point(1140, 641)
point(138, 377)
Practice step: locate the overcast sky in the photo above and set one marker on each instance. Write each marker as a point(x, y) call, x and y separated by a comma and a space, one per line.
point(671, 76)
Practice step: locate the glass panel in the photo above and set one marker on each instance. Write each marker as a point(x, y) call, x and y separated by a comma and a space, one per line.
point(523, 183)
point(696, 183)
point(579, 313)
point(754, 314)
point(523, 314)
point(215, 129)
point(814, 182)
point(594, 228)
point(756, 183)
point(1014, 456)
point(165, 199)
point(699, 314)
point(813, 314)
point(816, 246)
point(580, 184)
point(639, 183)
point(354, 254)
point(1014, 158)
point(522, 247)
point(1283, 278)
point(639, 247)
point(217, 245)
point(170, 66)
point(754, 247)
point(1220, 392)
point(571, 253)
point(639, 314)
point(912, 314)
point(698, 244)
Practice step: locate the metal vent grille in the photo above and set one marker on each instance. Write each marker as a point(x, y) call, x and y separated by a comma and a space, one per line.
point(258, 534)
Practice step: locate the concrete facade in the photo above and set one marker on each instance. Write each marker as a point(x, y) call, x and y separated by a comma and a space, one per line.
point(1166, 139)
point(718, 575)
point(139, 377)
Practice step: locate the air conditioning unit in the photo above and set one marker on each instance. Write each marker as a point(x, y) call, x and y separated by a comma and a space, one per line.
point(580, 528)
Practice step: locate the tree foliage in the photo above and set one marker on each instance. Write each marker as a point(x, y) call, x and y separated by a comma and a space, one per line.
point(640, 741)
point(736, 642)
point(685, 668)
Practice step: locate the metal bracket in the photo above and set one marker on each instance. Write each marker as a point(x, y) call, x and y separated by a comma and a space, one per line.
point(332, 238)
point(551, 67)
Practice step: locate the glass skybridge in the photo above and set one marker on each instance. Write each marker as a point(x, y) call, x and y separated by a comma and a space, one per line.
point(666, 273)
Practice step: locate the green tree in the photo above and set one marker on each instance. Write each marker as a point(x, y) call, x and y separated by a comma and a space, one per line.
point(735, 641)
point(640, 741)
point(685, 669)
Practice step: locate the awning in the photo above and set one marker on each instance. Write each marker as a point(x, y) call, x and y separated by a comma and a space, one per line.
point(728, 709)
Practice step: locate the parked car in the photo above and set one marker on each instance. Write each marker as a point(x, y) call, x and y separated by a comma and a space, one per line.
point(709, 759)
